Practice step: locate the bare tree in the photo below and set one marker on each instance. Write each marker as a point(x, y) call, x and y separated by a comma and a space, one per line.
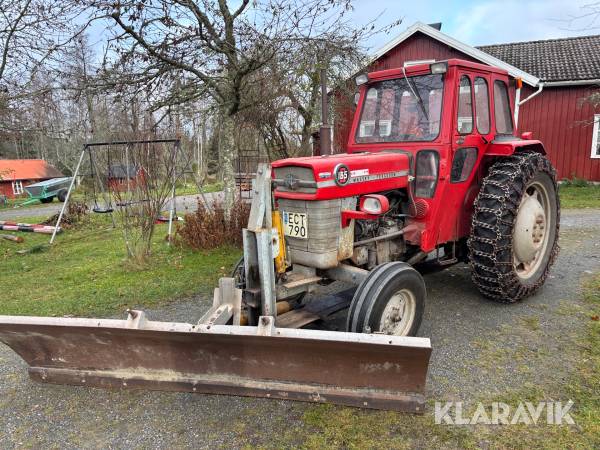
point(31, 31)
point(287, 117)
point(213, 49)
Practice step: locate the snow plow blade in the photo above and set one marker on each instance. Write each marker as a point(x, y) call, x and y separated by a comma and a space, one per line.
point(361, 370)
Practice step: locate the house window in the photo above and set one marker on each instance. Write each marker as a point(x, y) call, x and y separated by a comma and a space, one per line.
point(17, 187)
point(596, 137)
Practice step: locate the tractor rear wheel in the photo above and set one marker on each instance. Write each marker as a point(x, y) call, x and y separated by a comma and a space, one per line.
point(390, 300)
point(514, 230)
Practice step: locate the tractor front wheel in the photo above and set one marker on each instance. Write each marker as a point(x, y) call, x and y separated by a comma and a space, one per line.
point(514, 230)
point(390, 300)
point(47, 199)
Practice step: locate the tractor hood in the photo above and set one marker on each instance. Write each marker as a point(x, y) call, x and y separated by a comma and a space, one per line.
point(336, 176)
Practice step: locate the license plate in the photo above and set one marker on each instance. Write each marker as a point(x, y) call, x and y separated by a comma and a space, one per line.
point(295, 225)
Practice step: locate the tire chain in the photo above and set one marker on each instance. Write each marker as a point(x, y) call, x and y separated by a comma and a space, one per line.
point(495, 210)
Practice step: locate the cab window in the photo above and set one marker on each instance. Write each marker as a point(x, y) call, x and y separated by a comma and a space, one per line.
point(482, 105)
point(465, 107)
point(502, 108)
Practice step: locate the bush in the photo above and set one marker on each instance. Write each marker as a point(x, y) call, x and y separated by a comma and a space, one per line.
point(74, 215)
point(208, 228)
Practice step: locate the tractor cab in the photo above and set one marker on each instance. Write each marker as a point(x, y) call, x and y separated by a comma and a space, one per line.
point(430, 104)
point(451, 118)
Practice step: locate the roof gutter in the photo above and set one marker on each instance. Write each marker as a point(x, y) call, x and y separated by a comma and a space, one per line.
point(572, 83)
point(519, 102)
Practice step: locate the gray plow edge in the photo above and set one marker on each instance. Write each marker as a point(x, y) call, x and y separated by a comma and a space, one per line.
point(362, 370)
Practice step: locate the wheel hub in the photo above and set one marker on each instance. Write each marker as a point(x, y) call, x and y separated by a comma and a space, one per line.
point(530, 231)
point(398, 314)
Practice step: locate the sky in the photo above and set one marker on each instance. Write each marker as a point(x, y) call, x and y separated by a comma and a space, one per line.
point(475, 22)
point(481, 22)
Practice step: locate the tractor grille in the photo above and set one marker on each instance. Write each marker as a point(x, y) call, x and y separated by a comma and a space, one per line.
point(327, 242)
point(297, 172)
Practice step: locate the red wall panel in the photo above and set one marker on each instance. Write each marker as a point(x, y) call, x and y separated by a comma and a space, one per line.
point(562, 119)
point(6, 187)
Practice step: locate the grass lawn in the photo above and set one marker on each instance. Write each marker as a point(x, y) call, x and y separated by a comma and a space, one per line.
point(328, 426)
point(579, 196)
point(85, 272)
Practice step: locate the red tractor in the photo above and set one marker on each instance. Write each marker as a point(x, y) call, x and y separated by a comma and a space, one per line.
point(434, 176)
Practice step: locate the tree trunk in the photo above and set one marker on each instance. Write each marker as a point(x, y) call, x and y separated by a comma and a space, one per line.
point(227, 159)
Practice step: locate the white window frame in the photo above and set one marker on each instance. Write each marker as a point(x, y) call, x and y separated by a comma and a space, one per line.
point(595, 153)
point(17, 187)
point(385, 124)
point(363, 126)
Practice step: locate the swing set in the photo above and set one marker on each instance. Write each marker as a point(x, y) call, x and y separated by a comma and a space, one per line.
point(107, 206)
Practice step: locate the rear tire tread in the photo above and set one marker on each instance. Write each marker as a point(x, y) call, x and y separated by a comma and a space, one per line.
point(495, 211)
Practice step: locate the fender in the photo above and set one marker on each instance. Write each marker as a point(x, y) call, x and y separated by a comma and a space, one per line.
point(508, 147)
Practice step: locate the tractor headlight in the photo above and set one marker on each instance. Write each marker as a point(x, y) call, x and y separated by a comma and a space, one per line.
point(374, 204)
point(426, 173)
point(361, 79)
point(439, 67)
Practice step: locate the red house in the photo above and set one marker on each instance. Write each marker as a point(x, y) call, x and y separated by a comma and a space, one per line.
point(120, 177)
point(15, 174)
point(558, 77)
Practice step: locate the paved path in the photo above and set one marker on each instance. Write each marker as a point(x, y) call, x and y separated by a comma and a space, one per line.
point(183, 203)
point(481, 349)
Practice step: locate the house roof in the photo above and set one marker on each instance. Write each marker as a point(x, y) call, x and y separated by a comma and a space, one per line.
point(473, 52)
point(27, 169)
point(568, 59)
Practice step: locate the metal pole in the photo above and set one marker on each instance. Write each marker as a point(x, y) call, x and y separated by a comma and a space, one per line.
point(325, 131)
point(64, 206)
point(172, 210)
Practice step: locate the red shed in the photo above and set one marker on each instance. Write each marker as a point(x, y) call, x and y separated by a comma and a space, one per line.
point(559, 76)
point(15, 174)
point(120, 177)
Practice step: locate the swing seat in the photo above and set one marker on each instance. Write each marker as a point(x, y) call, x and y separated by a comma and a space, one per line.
point(99, 210)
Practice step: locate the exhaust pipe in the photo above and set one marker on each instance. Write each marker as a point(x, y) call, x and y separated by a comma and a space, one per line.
point(325, 130)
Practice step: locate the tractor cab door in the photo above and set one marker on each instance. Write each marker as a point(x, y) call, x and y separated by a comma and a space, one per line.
point(472, 131)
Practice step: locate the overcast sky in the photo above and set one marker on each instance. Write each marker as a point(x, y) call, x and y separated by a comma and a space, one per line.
point(480, 22)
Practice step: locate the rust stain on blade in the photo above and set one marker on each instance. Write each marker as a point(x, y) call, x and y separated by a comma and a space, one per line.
point(374, 371)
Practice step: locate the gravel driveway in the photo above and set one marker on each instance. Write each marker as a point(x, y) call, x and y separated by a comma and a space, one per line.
point(183, 203)
point(480, 349)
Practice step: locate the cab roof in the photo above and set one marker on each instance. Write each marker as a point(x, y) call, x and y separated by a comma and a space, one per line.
point(421, 68)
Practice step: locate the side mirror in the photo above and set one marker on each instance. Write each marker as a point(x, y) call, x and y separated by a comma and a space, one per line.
point(527, 135)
